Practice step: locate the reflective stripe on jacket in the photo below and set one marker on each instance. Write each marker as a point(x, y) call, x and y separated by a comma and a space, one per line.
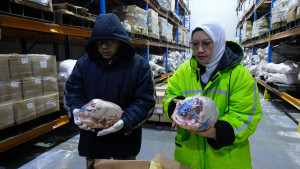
point(236, 95)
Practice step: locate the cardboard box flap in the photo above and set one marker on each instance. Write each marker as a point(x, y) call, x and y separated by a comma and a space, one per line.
point(161, 162)
point(121, 164)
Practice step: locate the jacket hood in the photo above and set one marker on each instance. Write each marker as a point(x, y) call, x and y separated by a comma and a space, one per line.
point(233, 55)
point(108, 26)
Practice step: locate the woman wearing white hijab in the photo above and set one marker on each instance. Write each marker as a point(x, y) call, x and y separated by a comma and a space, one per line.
point(215, 71)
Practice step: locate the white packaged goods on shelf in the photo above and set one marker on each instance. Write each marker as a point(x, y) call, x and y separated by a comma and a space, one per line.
point(43, 64)
point(163, 5)
point(260, 27)
point(279, 12)
point(31, 87)
point(47, 104)
point(153, 28)
point(172, 6)
point(25, 110)
point(10, 91)
point(293, 4)
point(283, 78)
point(4, 68)
point(39, 4)
point(247, 30)
point(287, 67)
point(134, 16)
point(169, 32)
point(65, 68)
point(50, 84)
point(157, 64)
point(163, 27)
point(6, 115)
point(248, 5)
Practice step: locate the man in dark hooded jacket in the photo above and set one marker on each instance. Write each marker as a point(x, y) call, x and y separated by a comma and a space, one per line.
point(110, 70)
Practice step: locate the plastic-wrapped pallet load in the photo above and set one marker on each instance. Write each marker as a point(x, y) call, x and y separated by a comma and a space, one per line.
point(65, 69)
point(65, 8)
point(43, 64)
point(279, 13)
point(260, 27)
point(163, 28)
point(153, 28)
point(286, 72)
point(170, 32)
point(25, 110)
point(47, 104)
point(247, 31)
point(132, 17)
point(31, 87)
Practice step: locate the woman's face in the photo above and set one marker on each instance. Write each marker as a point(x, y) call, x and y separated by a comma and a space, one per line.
point(202, 46)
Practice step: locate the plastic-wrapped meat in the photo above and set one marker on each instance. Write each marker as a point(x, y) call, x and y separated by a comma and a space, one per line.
point(194, 113)
point(100, 114)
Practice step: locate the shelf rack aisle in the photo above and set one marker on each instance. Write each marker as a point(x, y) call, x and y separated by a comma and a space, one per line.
point(275, 144)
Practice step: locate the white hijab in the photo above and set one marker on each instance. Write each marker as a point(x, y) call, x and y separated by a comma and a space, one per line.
point(217, 34)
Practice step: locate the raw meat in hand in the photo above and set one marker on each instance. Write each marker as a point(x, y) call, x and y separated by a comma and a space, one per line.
point(100, 114)
point(195, 113)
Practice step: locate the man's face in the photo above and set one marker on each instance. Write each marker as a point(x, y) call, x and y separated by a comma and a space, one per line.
point(108, 47)
point(203, 46)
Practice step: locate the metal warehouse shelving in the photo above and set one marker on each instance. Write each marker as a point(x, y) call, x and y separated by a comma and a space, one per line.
point(21, 29)
point(278, 37)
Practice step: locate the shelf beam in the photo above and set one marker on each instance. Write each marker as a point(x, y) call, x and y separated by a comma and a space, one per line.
point(33, 25)
point(19, 139)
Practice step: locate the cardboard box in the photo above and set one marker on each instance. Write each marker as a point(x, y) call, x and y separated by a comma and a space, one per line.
point(298, 13)
point(154, 117)
point(43, 65)
point(10, 91)
point(158, 162)
point(25, 111)
point(4, 68)
point(291, 15)
point(6, 115)
point(50, 85)
point(31, 87)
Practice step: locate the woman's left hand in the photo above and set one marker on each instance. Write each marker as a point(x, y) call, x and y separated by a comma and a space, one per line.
point(210, 132)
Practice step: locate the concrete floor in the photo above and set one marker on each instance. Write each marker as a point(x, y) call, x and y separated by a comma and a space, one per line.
point(274, 145)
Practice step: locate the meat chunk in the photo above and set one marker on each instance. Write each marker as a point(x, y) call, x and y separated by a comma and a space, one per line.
point(194, 113)
point(100, 114)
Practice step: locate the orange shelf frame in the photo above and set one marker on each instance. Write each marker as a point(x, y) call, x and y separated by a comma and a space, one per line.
point(19, 139)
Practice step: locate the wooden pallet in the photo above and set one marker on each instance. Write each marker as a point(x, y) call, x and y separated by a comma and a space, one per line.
point(12, 8)
point(293, 24)
point(284, 87)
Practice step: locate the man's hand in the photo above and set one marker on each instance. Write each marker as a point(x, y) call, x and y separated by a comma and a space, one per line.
point(114, 128)
point(78, 122)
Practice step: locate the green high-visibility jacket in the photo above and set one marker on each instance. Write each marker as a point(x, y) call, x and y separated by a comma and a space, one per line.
point(236, 95)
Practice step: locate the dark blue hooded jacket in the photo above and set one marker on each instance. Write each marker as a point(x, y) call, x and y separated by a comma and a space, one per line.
point(126, 80)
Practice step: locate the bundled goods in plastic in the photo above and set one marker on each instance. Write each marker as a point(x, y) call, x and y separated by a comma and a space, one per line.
point(260, 26)
point(195, 113)
point(65, 69)
point(100, 114)
point(39, 4)
point(285, 73)
point(134, 18)
point(153, 28)
point(279, 13)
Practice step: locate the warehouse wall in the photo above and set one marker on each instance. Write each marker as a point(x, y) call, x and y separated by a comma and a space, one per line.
point(222, 10)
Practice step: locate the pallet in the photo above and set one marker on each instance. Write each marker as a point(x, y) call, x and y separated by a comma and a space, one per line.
point(284, 87)
point(138, 36)
point(71, 20)
point(293, 24)
point(278, 30)
point(12, 8)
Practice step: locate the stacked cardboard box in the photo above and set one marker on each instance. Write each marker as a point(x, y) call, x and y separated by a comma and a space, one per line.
point(133, 17)
point(163, 28)
point(24, 79)
point(45, 4)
